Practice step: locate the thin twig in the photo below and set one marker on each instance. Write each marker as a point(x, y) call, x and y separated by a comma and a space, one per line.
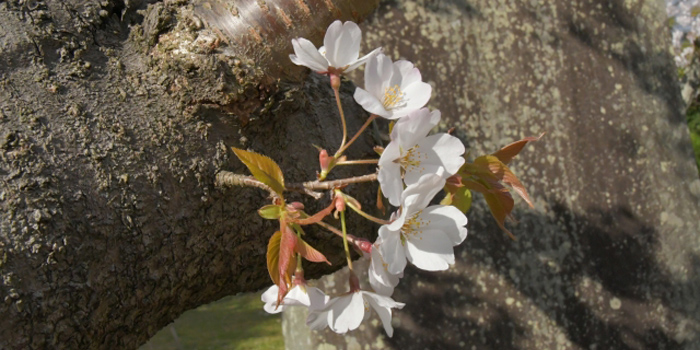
point(226, 178)
point(329, 185)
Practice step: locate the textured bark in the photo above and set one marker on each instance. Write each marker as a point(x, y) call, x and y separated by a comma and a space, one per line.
point(610, 256)
point(115, 117)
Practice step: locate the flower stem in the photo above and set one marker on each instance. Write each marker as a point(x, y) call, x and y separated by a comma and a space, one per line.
point(336, 91)
point(345, 239)
point(357, 134)
point(367, 216)
point(358, 161)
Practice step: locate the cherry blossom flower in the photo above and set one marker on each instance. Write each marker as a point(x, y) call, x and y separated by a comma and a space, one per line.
point(393, 90)
point(420, 234)
point(340, 53)
point(345, 313)
point(382, 281)
point(300, 295)
point(412, 153)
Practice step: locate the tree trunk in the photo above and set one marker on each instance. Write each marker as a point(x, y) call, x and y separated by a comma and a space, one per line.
point(115, 117)
point(609, 258)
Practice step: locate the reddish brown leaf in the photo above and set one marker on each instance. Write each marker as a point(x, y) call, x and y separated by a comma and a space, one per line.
point(507, 153)
point(310, 253)
point(316, 217)
point(273, 256)
point(288, 243)
point(504, 174)
point(501, 205)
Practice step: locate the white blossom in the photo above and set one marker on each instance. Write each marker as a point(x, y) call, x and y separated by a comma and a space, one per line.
point(346, 312)
point(341, 50)
point(412, 154)
point(420, 234)
point(392, 90)
point(382, 281)
point(311, 297)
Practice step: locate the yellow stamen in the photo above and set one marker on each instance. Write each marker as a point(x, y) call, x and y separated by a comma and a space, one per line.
point(393, 97)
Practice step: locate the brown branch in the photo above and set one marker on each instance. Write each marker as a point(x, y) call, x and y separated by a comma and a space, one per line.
point(227, 179)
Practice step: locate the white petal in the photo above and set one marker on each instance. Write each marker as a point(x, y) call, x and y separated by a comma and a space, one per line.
point(381, 280)
point(414, 127)
point(392, 250)
point(417, 196)
point(370, 103)
point(269, 297)
point(296, 296)
point(384, 311)
point(409, 73)
point(362, 60)
point(317, 298)
point(416, 96)
point(307, 55)
point(345, 313)
point(373, 80)
point(389, 176)
point(447, 219)
point(317, 320)
point(342, 42)
point(413, 174)
point(429, 250)
point(448, 149)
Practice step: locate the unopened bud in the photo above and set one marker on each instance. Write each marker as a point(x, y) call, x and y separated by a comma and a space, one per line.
point(324, 160)
point(363, 245)
point(339, 203)
point(295, 206)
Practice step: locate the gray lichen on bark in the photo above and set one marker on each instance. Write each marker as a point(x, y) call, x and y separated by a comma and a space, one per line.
point(609, 258)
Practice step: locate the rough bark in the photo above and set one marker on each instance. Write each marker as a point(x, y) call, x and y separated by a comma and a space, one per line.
point(609, 258)
point(115, 117)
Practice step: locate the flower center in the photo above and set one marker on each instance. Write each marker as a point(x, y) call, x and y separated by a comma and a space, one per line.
point(412, 226)
point(412, 159)
point(393, 97)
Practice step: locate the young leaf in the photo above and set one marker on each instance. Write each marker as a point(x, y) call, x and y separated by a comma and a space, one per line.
point(273, 255)
point(507, 153)
point(288, 243)
point(270, 212)
point(316, 217)
point(310, 253)
point(263, 168)
point(503, 174)
point(461, 198)
point(501, 204)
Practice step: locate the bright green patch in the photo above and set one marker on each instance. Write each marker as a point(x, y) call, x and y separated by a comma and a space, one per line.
point(693, 115)
point(235, 322)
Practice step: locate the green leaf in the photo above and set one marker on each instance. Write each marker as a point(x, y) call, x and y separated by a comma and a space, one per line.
point(270, 212)
point(461, 198)
point(263, 168)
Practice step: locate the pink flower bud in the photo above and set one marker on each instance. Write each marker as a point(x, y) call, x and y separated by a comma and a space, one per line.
point(324, 160)
point(363, 245)
point(295, 206)
point(339, 203)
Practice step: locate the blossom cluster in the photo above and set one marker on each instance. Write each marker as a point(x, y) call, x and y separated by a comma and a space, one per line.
point(413, 168)
point(685, 28)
